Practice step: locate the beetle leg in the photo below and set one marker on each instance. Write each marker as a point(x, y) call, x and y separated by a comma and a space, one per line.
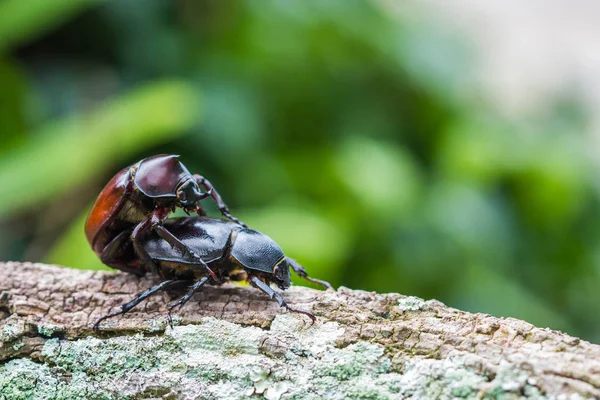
point(154, 222)
point(202, 181)
point(196, 287)
point(140, 297)
point(112, 255)
point(141, 230)
point(301, 272)
point(263, 287)
point(175, 242)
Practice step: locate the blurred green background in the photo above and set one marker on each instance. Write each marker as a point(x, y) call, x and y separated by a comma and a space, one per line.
point(347, 133)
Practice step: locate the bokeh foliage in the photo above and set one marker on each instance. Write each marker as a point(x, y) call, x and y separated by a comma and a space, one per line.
point(349, 135)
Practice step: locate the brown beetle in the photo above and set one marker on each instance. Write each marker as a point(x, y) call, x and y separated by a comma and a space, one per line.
point(141, 197)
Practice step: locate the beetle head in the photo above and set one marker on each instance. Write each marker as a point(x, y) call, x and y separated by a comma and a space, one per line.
point(281, 273)
point(189, 195)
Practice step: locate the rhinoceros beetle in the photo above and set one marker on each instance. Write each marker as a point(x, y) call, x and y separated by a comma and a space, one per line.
point(138, 199)
point(233, 252)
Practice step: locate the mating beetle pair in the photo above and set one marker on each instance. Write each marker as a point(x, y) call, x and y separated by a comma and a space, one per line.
point(129, 230)
point(141, 197)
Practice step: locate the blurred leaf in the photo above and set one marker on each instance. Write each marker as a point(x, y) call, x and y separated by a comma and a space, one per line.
point(471, 218)
point(383, 178)
point(233, 119)
point(12, 105)
point(553, 187)
point(482, 151)
point(73, 250)
point(72, 151)
point(21, 20)
point(486, 291)
point(582, 297)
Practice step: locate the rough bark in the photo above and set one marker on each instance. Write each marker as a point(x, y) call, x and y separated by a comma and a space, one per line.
point(233, 342)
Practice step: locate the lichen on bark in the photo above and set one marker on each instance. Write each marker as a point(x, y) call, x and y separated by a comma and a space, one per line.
point(231, 342)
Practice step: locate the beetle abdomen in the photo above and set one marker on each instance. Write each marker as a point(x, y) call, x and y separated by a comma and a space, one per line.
point(256, 251)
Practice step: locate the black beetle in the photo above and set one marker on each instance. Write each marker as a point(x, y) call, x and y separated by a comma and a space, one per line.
point(139, 199)
point(233, 252)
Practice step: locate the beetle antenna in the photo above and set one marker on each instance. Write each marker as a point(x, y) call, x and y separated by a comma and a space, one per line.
point(301, 272)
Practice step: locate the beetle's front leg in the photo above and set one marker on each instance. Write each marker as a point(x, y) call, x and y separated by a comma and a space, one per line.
point(202, 181)
point(268, 290)
point(301, 272)
point(141, 230)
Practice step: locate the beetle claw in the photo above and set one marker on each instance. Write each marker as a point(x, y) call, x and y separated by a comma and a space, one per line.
point(310, 315)
point(96, 326)
point(169, 318)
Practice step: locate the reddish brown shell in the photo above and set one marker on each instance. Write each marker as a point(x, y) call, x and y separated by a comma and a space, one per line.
point(107, 204)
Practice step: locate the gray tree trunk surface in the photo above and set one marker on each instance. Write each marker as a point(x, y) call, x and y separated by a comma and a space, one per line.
point(233, 342)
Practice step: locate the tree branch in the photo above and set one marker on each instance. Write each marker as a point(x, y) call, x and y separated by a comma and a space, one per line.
point(231, 342)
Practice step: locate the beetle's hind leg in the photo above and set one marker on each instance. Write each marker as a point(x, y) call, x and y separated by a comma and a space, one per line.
point(114, 255)
point(263, 287)
point(195, 287)
point(138, 233)
point(301, 272)
point(141, 297)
